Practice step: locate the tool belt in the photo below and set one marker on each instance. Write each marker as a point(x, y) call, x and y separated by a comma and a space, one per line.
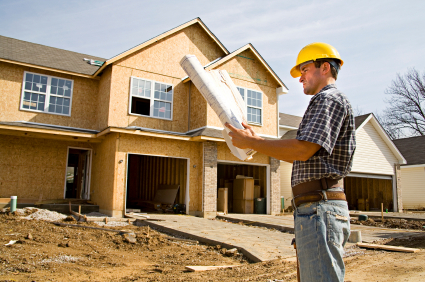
point(311, 191)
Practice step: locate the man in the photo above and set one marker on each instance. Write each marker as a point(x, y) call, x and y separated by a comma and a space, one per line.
point(322, 155)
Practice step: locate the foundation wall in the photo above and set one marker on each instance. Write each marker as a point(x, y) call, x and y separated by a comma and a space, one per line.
point(83, 107)
point(33, 168)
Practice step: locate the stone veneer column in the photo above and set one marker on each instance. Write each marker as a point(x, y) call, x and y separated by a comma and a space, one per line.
point(209, 189)
point(397, 172)
point(275, 205)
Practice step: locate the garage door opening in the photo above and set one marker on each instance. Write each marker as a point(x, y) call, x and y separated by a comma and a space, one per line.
point(157, 184)
point(367, 193)
point(236, 176)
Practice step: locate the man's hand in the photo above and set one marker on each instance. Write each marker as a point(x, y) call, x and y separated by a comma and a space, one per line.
point(243, 138)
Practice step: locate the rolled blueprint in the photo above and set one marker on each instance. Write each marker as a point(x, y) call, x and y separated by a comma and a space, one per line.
point(221, 94)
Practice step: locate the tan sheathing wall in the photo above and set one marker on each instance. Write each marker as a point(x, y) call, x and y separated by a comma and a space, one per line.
point(198, 108)
point(84, 100)
point(224, 154)
point(246, 71)
point(103, 175)
point(372, 153)
point(103, 98)
point(168, 148)
point(413, 181)
point(285, 182)
point(160, 62)
point(33, 166)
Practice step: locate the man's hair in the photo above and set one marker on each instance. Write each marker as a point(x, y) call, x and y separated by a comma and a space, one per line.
point(334, 72)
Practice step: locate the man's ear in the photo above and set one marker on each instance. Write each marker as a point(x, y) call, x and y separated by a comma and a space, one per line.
point(326, 67)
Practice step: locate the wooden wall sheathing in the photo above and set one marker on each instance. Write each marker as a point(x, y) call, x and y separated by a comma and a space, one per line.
point(143, 145)
point(33, 166)
point(246, 71)
point(224, 154)
point(84, 100)
point(377, 191)
point(198, 108)
point(146, 173)
point(103, 174)
point(103, 98)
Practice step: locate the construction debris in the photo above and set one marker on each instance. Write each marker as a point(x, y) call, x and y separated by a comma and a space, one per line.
point(388, 248)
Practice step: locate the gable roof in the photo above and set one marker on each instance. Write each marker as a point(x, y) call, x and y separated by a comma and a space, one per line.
point(50, 58)
point(161, 36)
point(220, 61)
point(291, 134)
point(413, 149)
point(286, 120)
point(358, 120)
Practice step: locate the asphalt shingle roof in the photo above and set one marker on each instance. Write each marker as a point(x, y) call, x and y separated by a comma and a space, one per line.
point(289, 120)
point(412, 149)
point(45, 56)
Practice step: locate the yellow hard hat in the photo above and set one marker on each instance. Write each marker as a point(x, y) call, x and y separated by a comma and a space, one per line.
point(312, 52)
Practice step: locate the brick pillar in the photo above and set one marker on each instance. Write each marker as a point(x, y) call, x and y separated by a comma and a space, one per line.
point(209, 187)
point(275, 205)
point(397, 173)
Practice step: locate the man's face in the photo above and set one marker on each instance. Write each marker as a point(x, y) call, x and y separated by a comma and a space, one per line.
point(310, 78)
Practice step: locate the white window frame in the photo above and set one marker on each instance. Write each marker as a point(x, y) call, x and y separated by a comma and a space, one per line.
point(253, 107)
point(151, 98)
point(47, 94)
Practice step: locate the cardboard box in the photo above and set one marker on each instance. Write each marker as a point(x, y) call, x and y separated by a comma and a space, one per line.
point(229, 185)
point(243, 206)
point(257, 191)
point(222, 200)
point(243, 189)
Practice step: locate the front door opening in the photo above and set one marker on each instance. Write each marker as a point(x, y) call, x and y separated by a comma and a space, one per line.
point(77, 174)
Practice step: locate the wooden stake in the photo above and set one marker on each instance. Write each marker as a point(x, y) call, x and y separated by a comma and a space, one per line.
point(388, 248)
point(106, 220)
point(70, 206)
point(148, 232)
point(382, 212)
point(79, 209)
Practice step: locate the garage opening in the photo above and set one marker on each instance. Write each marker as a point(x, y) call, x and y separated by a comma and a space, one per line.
point(157, 184)
point(367, 193)
point(246, 188)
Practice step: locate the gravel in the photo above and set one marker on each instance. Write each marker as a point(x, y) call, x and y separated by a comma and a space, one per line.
point(41, 214)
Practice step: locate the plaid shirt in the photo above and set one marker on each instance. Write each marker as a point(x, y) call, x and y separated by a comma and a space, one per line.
point(328, 122)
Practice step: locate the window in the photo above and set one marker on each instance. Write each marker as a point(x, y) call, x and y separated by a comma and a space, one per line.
point(254, 103)
point(142, 102)
point(47, 94)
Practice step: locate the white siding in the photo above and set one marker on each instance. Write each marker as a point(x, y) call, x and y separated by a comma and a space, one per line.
point(413, 187)
point(285, 182)
point(372, 154)
point(282, 131)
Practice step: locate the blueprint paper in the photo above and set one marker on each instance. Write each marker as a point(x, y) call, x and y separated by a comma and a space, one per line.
point(220, 92)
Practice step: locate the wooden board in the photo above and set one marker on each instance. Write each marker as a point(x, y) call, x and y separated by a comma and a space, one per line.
point(388, 248)
point(205, 268)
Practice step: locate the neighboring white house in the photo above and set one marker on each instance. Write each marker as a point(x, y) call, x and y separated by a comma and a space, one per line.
point(413, 173)
point(375, 175)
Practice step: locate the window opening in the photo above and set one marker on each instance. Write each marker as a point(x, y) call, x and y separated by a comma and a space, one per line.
point(254, 103)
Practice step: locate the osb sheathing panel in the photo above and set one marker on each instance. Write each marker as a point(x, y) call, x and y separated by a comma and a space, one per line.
point(198, 108)
point(163, 57)
point(247, 71)
point(168, 148)
point(224, 154)
point(84, 99)
point(160, 62)
point(30, 167)
point(103, 173)
point(119, 104)
point(103, 98)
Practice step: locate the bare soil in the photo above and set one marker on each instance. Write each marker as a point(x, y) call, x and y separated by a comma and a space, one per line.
point(393, 223)
point(46, 252)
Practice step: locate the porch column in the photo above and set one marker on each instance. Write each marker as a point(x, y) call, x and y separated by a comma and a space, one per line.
point(209, 189)
point(274, 186)
point(398, 200)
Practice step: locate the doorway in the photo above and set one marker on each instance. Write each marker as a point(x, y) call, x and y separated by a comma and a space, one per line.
point(77, 183)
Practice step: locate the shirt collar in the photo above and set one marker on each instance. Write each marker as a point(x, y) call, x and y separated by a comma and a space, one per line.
point(327, 87)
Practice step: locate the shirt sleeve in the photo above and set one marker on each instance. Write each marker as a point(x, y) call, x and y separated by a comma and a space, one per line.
point(323, 124)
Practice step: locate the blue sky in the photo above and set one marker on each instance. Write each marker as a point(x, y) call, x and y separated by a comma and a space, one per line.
point(376, 39)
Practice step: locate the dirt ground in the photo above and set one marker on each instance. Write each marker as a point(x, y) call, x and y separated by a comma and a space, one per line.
point(47, 252)
point(393, 223)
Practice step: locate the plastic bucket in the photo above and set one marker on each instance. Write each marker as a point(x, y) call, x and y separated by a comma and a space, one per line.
point(13, 203)
point(260, 206)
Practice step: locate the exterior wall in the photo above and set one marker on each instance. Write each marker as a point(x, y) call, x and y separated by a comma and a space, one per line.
point(372, 153)
point(248, 72)
point(31, 168)
point(413, 181)
point(160, 62)
point(84, 100)
point(103, 98)
point(209, 195)
point(198, 108)
point(285, 182)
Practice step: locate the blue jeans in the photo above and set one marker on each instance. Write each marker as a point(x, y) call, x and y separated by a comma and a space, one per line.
point(321, 231)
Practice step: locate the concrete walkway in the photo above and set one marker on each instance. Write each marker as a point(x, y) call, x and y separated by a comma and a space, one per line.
point(258, 244)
